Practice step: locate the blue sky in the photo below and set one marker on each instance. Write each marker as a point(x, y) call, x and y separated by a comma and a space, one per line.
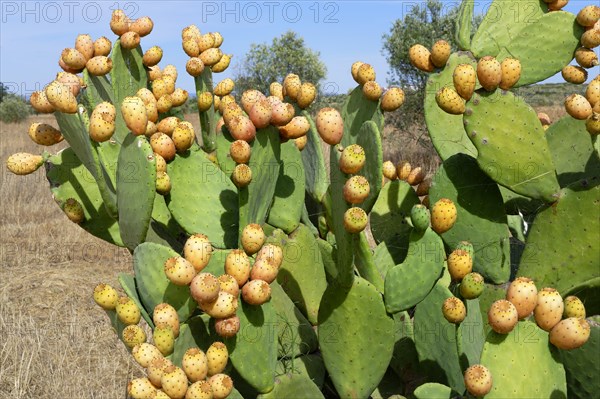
point(32, 34)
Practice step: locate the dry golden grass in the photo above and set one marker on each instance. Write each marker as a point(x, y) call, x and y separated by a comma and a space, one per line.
point(55, 341)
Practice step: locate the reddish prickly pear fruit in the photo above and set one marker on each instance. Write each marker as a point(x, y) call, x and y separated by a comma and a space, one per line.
point(253, 238)
point(240, 151)
point(365, 73)
point(264, 270)
point(460, 264)
point(301, 142)
point(356, 189)
point(163, 146)
point(23, 163)
point(40, 103)
point(392, 99)
point(144, 353)
point(403, 170)
point(61, 97)
point(472, 285)
point(44, 134)
point(99, 65)
point(224, 87)
point(372, 91)
point(211, 56)
point(191, 47)
point(224, 306)
point(574, 74)
point(489, 73)
point(217, 356)
point(119, 22)
point(127, 311)
point(464, 79)
point(450, 101)
point(440, 52)
point(420, 58)
point(241, 128)
point(228, 327)
point(70, 80)
point(443, 215)
point(73, 59)
point(141, 388)
point(588, 15)
point(276, 90)
point(85, 45)
point(134, 114)
point(183, 137)
point(194, 66)
point(198, 251)
point(249, 98)
point(260, 113)
point(156, 368)
point(330, 125)
point(142, 26)
point(229, 284)
point(179, 271)
point(199, 390)
point(133, 335)
point(296, 128)
point(355, 220)
point(592, 124)
point(241, 175)
point(353, 159)
point(511, 73)
point(223, 63)
point(419, 216)
point(163, 183)
point(586, 58)
point(237, 265)
point(523, 294)
point(174, 382)
point(306, 95)
point(570, 333)
point(165, 313)
point(195, 365)
point(164, 338)
point(204, 288)
point(102, 46)
point(573, 307)
point(167, 125)
point(152, 56)
point(130, 40)
point(415, 176)
point(503, 316)
point(272, 253)
point(256, 292)
point(281, 113)
point(74, 211)
point(454, 310)
point(291, 86)
point(354, 69)
point(106, 296)
point(389, 170)
point(549, 308)
point(478, 380)
point(221, 385)
point(578, 106)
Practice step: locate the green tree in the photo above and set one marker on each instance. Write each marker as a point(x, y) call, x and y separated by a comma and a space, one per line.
point(3, 91)
point(266, 63)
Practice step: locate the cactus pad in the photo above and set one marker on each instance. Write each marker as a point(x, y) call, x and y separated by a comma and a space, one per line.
point(464, 24)
point(127, 282)
point(314, 163)
point(582, 367)
point(369, 139)
point(311, 365)
point(293, 386)
point(433, 390)
point(365, 263)
point(357, 109)
point(391, 211)
point(390, 253)
point(470, 335)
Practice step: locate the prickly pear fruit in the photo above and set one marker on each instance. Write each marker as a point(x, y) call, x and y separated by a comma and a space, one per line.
point(578, 106)
point(472, 285)
point(142, 26)
point(355, 220)
point(556, 5)
point(224, 87)
point(73, 59)
point(211, 56)
point(174, 382)
point(440, 52)
point(141, 388)
point(204, 288)
point(591, 37)
point(365, 73)
point(253, 238)
point(166, 125)
point(99, 65)
point(134, 114)
point(503, 316)
point(44, 134)
point(70, 80)
point(281, 113)
point(61, 97)
point(353, 159)
point(291, 86)
point(419, 216)
point(466, 246)
point(523, 294)
point(217, 356)
point(443, 215)
point(221, 385)
point(420, 58)
point(295, 128)
point(152, 56)
point(133, 335)
point(223, 63)
point(237, 265)
point(144, 353)
point(127, 311)
point(574, 74)
point(272, 253)
point(195, 365)
point(511, 73)
point(586, 58)
point(199, 390)
point(198, 251)
point(85, 45)
point(164, 338)
point(489, 73)
point(423, 187)
point(573, 307)
point(229, 284)
point(194, 66)
point(592, 124)
point(264, 270)
point(454, 310)
point(241, 128)
point(460, 264)
point(450, 101)
point(389, 170)
point(163, 146)
point(130, 40)
point(354, 69)
point(165, 313)
point(464, 79)
point(206, 41)
point(592, 92)
point(415, 176)
point(106, 296)
point(276, 90)
point(570, 333)
point(330, 125)
point(163, 183)
point(164, 104)
point(256, 292)
point(179, 271)
point(356, 189)
point(74, 211)
point(119, 22)
point(240, 151)
point(306, 95)
point(392, 99)
point(372, 91)
point(179, 97)
point(156, 369)
point(102, 123)
point(183, 137)
point(102, 46)
point(478, 380)
point(588, 15)
point(224, 306)
point(403, 169)
point(549, 308)
point(544, 119)
point(228, 327)
point(40, 103)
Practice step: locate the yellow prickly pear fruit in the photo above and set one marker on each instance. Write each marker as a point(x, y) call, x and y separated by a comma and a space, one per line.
point(478, 380)
point(152, 56)
point(249, 98)
point(70, 80)
point(106, 296)
point(511, 73)
point(44, 134)
point(127, 311)
point(99, 65)
point(228, 327)
point(23, 163)
point(119, 22)
point(454, 310)
point(73, 59)
point(588, 15)
point(174, 382)
point(221, 385)
point(102, 122)
point(592, 93)
point(489, 73)
point(591, 37)
point(229, 284)
point(170, 73)
point(217, 356)
point(460, 264)
point(205, 101)
point(237, 265)
point(61, 97)
point(592, 124)
point(355, 220)
point(403, 170)
point(392, 99)
point(301, 142)
point(144, 353)
point(179, 97)
point(141, 388)
point(450, 101)
point(573, 307)
point(194, 66)
point(211, 56)
point(578, 107)
point(164, 104)
point(365, 73)
point(291, 86)
point(74, 211)
point(276, 90)
point(356, 189)
point(130, 40)
point(353, 159)
point(297, 127)
point(586, 58)
point(464, 79)
point(206, 41)
point(156, 369)
point(415, 176)
point(164, 338)
point(198, 251)
point(241, 175)
point(420, 58)
point(570, 333)
point(142, 26)
point(200, 390)
point(549, 308)
point(443, 215)
point(256, 292)
point(179, 271)
point(40, 103)
point(574, 74)
point(133, 335)
point(240, 151)
point(306, 95)
point(102, 46)
point(224, 306)
point(557, 5)
point(154, 73)
point(190, 32)
point(183, 136)
point(224, 87)
point(330, 125)
point(205, 287)
point(223, 63)
point(522, 293)
point(440, 52)
point(167, 314)
point(372, 90)
point(389, 170)
point(354, 70)
point(253, 238)
point(260, 113)
point(85, 45)
point(134, 114)
point(195, 364)
point(282, 113)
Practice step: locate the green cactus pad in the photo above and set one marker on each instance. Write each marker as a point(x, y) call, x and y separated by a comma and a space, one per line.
point(152, 283)
point(503, 355)
point(433, 390)
point(357, 109)
point(302, 274)
point(293, 386)
point(295, 334)
point(356, 354)
point(446, 131)
point(464, 24)
point(224, 141)
point(511, 144)
point(572, 151)
point(203, 199)
point(365, 263)
point(503, 22)
point(317, 180)
point(409, 283)
point(127, 75)
point(470, 335)
point(311, 365)
point(405, 358)
point(136, 188)
point(369, 139)
point(98, 89)
point(481, 218)
point(128, 284)
point(69, 178)
point(165, 226)
point(253, 352)
point(391, 212)
point(582, 367)
point(328, 258)
point(546, 57)
point(288, 200)
point(435, 340)
point(548, 260)
point(208, 118)
point(193, 333)
point(390, 253)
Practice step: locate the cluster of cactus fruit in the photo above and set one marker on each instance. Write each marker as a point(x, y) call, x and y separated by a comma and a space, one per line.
point(252, 266)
